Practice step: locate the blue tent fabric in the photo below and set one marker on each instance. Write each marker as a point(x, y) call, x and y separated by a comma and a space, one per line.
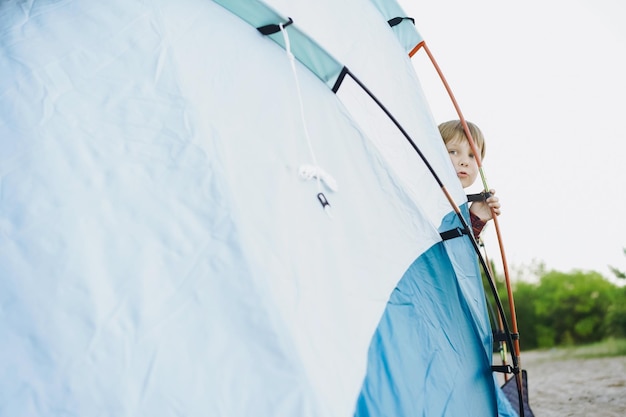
point(410, 363)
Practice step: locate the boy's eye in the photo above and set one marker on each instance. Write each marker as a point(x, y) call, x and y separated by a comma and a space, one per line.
point(452, 152)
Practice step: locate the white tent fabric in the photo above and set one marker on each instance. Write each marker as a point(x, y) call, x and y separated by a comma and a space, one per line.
point(160, 254)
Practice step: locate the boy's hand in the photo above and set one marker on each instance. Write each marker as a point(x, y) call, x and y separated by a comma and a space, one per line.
point(483, 209)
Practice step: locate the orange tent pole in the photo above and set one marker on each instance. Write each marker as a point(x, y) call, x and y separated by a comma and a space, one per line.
point(486, 188)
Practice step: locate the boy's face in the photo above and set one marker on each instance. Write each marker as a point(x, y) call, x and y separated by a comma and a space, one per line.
point(463, 160)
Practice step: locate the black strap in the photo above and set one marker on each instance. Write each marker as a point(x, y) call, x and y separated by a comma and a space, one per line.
point(504, 369)
point(500, 336)
point(273, 28)
point(478, 197)
point(453, 233)
point(397, 20)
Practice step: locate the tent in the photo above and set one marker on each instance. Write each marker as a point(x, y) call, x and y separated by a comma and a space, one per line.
point(207, 210)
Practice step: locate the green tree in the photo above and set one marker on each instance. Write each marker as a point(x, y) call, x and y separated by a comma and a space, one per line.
point(571, 308)
point(616, 315)
point(524, 296)
point(563, 308)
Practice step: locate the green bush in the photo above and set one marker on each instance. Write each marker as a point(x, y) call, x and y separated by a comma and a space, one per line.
point(565, 309)
point(616, 315)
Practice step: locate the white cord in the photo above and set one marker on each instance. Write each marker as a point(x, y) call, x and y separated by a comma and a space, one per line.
point(308, 171)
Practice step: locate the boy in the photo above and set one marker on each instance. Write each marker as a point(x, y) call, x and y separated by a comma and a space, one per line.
point(466, 168)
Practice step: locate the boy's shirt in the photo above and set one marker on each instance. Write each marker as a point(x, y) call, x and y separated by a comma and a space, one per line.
point(477, 225)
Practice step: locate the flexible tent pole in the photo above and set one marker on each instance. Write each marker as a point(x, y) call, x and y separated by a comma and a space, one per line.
point(491, 275)
point(486, 188)
point(508, 334)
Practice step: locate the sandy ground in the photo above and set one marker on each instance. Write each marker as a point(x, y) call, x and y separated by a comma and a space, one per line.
point(560, 386)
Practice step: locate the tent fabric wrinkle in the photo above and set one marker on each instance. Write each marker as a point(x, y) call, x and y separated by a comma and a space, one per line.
point(163, 249)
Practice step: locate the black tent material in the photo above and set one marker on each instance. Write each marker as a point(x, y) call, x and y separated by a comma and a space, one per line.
point(510, 391)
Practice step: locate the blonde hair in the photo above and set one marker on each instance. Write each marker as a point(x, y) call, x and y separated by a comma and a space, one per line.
point(453, 130)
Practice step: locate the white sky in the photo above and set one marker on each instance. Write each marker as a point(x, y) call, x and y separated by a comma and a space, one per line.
point(546, 82)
